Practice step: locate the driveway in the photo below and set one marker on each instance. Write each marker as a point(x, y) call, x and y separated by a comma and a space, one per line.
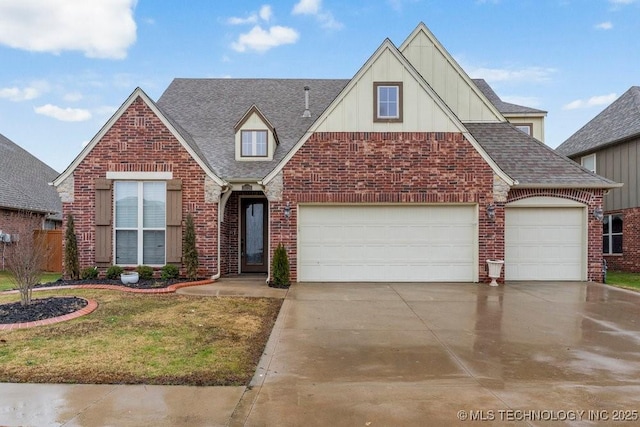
point(355, 354)
point(447, 354)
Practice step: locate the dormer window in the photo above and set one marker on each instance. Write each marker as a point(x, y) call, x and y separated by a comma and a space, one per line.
point(254, 143)
point(387, 102)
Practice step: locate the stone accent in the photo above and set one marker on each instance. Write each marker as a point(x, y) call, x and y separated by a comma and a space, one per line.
point(212, 190)
point(500, 189)
point(275, 188)
point(65, 189)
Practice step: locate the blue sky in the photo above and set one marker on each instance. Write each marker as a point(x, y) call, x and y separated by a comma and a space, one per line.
point(67, 65)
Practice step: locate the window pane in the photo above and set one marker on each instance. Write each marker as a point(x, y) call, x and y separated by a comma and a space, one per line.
point(126, 247)
point(246, 143)
point(126, 204)
point(154, 209)
point(605, 244)
point(605, 224)
point(388, 101)
point(616, 242)
point(616, 224)
point(153, 248)
point(261, 143)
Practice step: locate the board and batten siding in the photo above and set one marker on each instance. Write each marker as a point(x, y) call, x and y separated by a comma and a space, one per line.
point(620, 164)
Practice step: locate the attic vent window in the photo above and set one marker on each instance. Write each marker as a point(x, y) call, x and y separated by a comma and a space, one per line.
point(254, 143)
point(387, 101)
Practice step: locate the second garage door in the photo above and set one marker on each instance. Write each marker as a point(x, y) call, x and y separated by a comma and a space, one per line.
point(545, 243)
point(387, 243)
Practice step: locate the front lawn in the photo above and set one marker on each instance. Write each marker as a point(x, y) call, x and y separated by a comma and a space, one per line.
point(6, 283)
point(150, 339)
point(624, 280)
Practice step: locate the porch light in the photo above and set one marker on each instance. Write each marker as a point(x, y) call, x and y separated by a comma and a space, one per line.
point(491, 212)
point(287, 210)
point(598, 213)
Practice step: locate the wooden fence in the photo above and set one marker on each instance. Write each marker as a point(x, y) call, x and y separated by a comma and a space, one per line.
point(53, 240)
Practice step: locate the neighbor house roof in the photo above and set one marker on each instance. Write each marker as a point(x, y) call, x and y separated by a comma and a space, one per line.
point(530, 162)
point(208, 110)
point(617, 122)
point(24, 181)
point(504, 107)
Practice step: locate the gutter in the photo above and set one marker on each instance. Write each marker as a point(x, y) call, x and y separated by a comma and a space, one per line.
point(570, 186)
point(226, 192)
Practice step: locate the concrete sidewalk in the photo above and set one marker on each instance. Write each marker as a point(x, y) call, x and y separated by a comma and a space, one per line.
point(398, 354)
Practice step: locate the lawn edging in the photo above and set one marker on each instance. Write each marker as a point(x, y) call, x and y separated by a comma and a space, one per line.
point(89, 308)
point(167, 290)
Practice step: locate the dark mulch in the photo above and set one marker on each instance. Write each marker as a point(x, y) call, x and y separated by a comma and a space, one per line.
point(142, 284)
point(40, 309)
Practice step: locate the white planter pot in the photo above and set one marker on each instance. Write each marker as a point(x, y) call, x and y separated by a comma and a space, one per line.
point(129, 278)
point(495, 268)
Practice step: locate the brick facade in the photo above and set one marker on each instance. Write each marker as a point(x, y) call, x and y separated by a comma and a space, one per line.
point(139, 142)
point(394, 167)
point(629, 260)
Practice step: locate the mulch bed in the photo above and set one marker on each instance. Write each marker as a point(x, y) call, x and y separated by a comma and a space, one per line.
point(142, 284)
point(40, 309)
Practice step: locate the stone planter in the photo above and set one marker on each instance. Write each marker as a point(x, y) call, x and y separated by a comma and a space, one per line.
point(129, 278)
point(495, 268)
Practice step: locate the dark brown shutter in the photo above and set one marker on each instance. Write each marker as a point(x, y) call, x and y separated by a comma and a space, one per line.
point(174, 221)
point(104, 217)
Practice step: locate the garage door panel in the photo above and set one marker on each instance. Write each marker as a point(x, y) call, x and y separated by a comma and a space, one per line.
point(544, 243)
point(383, 243)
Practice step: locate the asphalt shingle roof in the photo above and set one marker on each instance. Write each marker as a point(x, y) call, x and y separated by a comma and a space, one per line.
point(24, 181)
point(504, 107)
point(208, 109)
point(619, 121)
point(529, 161)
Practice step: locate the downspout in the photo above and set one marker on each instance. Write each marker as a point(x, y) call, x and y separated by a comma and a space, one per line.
point(226, 193)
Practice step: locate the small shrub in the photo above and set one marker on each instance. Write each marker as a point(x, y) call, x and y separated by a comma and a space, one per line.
point(71, 263)
point(114, 272)
point(145, 272)
point(169, 272)
point(280, 267)
point(89, 273)
point(190, 252)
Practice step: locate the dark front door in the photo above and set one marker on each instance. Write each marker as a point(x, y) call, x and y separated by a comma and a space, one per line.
point(253, 236)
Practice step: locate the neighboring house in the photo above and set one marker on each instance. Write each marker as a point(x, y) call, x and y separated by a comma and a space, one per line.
point(528, 120)
point(406, 172)
point(609, 145)
point(27, 200)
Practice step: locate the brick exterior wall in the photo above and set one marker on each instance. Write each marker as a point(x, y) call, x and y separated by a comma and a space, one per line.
point(629, 260)
point(139, 142)
point(394, 167)
point(593, 199)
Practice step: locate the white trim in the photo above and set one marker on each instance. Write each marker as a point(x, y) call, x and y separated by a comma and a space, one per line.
point(388, 45)
point(582, 159)
point(545, 202)
point(141, 176)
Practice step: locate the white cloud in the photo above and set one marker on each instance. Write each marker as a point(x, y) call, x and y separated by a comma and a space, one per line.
point(621, 2)
point(33, 91)
point(604, 25)
point(261, 41)
point(594, 101)
point(529, 74)
point(63, 114)
point(314, 8)
point(265, 13)
point(307, 7)
point(99, 29)
point(72, 97)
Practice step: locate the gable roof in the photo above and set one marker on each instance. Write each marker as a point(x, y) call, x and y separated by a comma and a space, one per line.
point(617, 122)
point(181, 135)
point(24, 181)
point(530, 162)
point(208, 109)
point(504, 107)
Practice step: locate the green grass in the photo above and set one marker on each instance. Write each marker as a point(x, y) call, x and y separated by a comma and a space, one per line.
point(6, 283)
point(142, 339)
point(624, 280)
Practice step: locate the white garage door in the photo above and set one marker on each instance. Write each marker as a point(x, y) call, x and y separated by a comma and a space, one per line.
point(341, 243)
point(544, 243)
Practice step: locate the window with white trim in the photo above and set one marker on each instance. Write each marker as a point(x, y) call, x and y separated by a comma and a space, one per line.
point(387, 101)
point(589, 162)
point(524, 127)
point(140, 222)
point(254, 143)
point(612, 234)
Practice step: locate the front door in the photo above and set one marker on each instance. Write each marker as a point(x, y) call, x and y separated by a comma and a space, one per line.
point(253, 236)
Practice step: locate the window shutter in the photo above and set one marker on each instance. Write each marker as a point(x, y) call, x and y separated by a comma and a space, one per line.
point(103, 221)
point(174, 221)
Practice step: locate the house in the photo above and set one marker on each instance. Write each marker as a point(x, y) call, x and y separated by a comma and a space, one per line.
point(27, 200)
point(609, 145)
point(405, 172)
point(528, 120)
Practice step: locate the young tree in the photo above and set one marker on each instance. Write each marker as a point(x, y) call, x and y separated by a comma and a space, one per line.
point(27, 255)
point(280, 267)
point(71, 262)
point(190, 252)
